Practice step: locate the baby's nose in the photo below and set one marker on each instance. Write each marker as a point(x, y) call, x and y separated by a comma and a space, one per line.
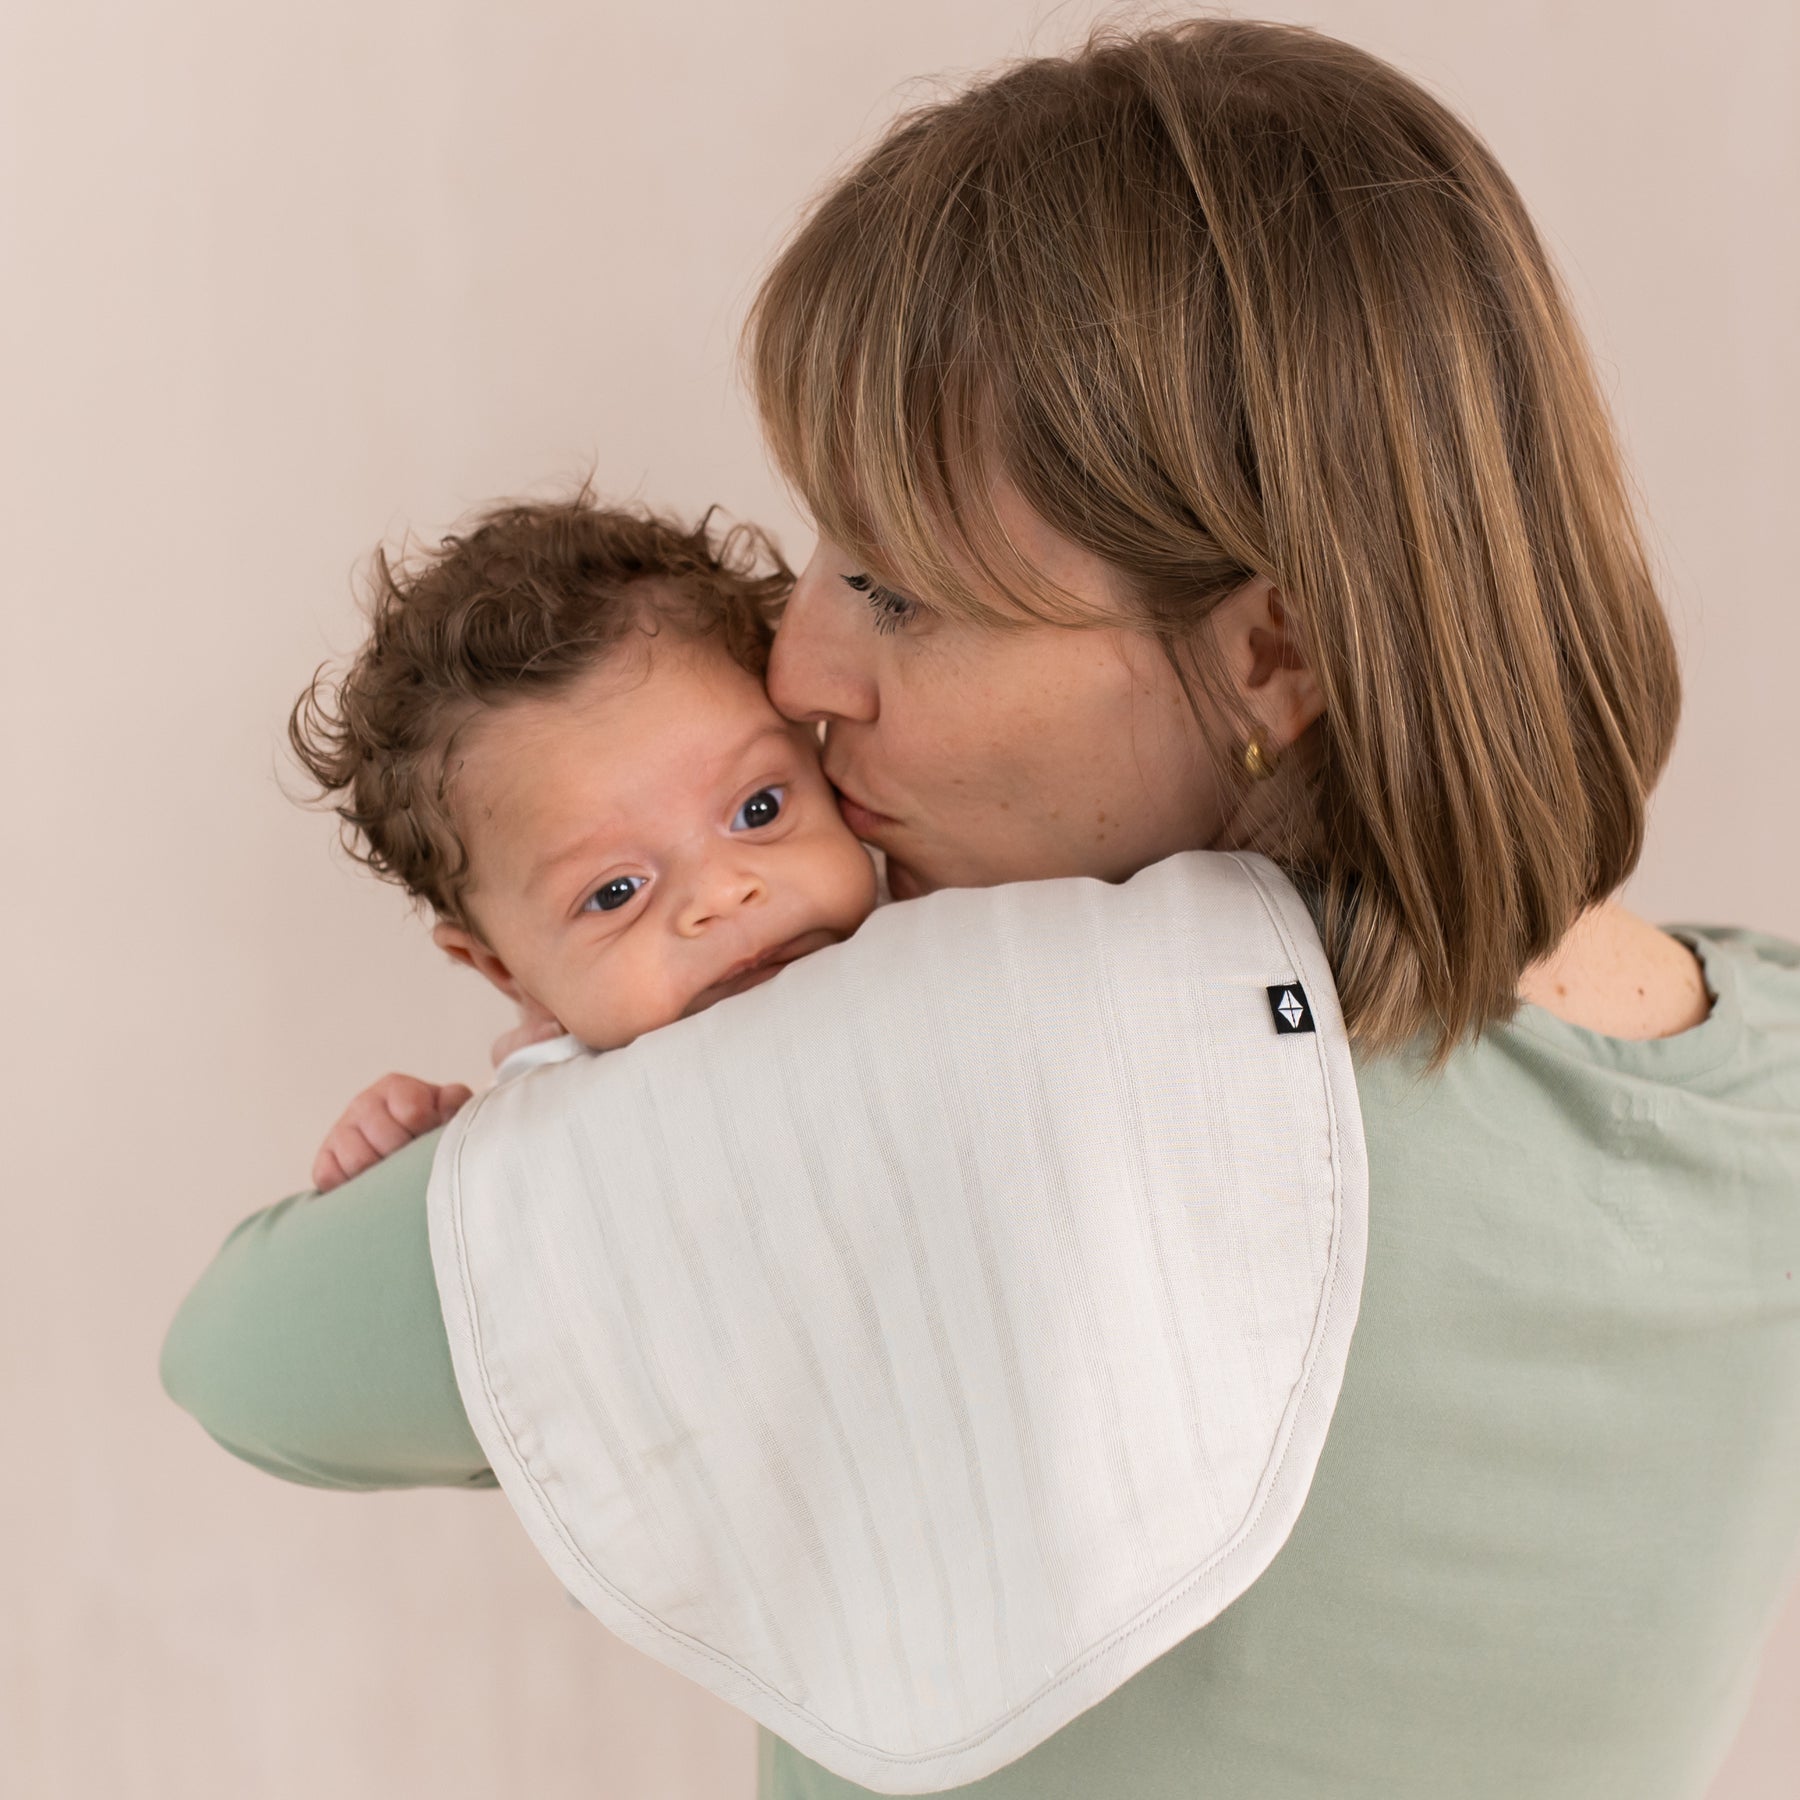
point(719, 893)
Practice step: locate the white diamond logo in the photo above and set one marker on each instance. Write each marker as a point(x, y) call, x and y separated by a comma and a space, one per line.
point(1290, 1009)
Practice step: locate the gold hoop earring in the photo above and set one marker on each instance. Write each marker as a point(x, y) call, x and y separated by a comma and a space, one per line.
point(1257, 760)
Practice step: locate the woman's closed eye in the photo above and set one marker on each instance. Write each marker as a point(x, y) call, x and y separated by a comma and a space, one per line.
point(891, 610)
point(762, 808)
point(609, 896)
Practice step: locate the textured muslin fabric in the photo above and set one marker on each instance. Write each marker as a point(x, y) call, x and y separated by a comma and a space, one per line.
point(533, 1056)
point(915, 1347)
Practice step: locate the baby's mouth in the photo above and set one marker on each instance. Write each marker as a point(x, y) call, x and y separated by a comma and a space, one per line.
point(753, 971)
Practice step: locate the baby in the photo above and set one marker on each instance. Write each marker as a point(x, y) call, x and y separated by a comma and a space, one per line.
point(556, 738)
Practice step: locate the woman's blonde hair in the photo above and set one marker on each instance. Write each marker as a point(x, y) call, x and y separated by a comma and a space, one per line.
point(1232, 299)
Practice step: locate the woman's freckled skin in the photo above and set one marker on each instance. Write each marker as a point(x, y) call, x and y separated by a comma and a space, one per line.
point(985, 755)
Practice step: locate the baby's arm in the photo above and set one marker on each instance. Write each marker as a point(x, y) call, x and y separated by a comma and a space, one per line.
point(381, 1119)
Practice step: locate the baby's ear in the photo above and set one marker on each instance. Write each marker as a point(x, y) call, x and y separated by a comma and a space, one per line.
point(466, 948)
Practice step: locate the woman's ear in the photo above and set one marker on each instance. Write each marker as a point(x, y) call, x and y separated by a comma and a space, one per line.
point(464, 947)
point(1262, 653)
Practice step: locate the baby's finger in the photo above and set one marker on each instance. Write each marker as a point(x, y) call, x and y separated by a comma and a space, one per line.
point(452, 1098)
point(345, 1155)
point(413, 1103)
point(369, 1116)
point(354, 1150)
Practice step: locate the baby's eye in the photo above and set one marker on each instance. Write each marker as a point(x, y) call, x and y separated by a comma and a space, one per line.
point(891, 610)
point(611, 895)
point(762, 808)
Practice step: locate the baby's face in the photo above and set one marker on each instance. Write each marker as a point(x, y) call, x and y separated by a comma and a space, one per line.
point(650, 840)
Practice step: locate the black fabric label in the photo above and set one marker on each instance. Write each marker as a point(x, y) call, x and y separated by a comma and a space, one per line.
point(1288, 1004)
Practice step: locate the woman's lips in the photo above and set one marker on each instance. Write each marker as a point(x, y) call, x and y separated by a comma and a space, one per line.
point(860, 820)
point(876, 828)
point(863, 820)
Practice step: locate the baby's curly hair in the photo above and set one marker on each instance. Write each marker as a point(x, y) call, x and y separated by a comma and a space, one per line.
point(520, 600)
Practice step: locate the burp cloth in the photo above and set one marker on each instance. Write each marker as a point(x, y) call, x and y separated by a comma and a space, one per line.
point(911, 1349)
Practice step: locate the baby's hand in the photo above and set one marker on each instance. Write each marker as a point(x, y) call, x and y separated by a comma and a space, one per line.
point(380, 1120)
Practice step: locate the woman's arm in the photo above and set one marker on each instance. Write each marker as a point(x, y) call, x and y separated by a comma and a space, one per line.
point(313, 1345)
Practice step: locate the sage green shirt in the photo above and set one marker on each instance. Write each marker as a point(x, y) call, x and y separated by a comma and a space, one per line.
point(1559, 1504)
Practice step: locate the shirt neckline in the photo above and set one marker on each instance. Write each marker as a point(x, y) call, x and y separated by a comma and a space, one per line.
point(1687, 1053)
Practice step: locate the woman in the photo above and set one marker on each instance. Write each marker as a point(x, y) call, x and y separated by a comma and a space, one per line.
point(1204, 456)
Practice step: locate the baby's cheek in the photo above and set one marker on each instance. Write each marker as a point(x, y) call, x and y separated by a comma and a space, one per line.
point(849, 879)
point(611, 1001)
point(587, 1015)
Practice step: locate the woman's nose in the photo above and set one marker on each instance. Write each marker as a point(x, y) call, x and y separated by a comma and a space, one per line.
point(723, 888)
point(822, 665)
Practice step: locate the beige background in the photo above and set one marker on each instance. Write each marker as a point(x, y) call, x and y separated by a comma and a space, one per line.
point(280, 280)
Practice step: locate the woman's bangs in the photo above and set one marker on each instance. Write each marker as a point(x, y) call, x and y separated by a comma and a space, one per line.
point(878, 386)
point(881, 448)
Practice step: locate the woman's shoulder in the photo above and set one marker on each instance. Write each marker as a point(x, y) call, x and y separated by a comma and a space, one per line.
point(1742, 1052)
point(1762, 967)
point(1764, 957)
point(1757, 977)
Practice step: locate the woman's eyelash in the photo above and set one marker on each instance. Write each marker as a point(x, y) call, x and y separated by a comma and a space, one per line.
point(891, 610)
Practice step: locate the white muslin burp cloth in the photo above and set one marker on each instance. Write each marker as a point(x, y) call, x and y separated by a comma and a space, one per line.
point(913, 1348)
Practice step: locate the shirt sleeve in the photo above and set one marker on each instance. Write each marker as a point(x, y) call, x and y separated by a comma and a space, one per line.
point(313, 1345)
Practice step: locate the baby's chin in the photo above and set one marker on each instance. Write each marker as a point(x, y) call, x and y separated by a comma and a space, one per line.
point(613, 1034)
point(724, 990)
point(614, 1037)
point(766, 968)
